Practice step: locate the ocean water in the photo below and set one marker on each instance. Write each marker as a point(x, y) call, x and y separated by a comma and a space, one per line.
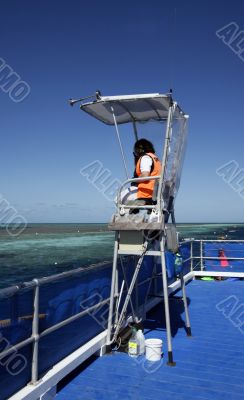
point(46, 249)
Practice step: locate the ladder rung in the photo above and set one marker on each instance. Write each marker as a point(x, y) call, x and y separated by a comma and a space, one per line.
point(139, 253)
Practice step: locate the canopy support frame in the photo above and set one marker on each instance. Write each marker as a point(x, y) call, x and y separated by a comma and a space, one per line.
point(159, 204)
point(120, 144)
point(135, 129)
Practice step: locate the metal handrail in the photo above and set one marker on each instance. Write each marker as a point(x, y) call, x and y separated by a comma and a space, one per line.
point(217, 240)
point(217, 258)
point(145, 178)
point(47, 279)
point(17, 346)
point(201, 258)
point(73, 318)
point(35, 336)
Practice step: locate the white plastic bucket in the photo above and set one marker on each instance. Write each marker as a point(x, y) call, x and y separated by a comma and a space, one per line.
point(153, 349)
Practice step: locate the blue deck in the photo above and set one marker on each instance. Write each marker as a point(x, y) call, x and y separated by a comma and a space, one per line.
point(209, 366)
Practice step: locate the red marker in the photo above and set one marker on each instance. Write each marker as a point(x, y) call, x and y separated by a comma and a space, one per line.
point(223, 259)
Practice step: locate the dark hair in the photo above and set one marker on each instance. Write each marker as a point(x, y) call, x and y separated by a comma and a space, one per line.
point(144, 146)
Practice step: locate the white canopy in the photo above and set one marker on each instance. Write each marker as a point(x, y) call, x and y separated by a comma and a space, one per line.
point(131, 108)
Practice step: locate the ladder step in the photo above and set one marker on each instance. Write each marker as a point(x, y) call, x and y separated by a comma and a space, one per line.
point(139, 253)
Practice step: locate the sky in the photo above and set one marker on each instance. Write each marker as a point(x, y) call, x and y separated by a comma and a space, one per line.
point(56, 50)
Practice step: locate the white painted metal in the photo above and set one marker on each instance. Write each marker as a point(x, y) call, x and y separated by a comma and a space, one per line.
point(35, 334)
point(18, 346)
point(131, 97)
point(138, 253)
point(113, 282)
point(73, 318)
point(165, 294)
point(119, 300)
point(135, 130)
point(220, 273)
point(191, 256)
point(218, 258)
point(160, 206)
point(50, 394)
point(125, 183)
point(120, 144)
point(137, 108)
point(219, 240)
point(201, 255)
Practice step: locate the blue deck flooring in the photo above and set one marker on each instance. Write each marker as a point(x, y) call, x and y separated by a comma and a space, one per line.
point(208, 366)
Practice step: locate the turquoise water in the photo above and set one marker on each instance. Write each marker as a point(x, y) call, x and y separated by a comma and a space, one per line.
point(45, 249)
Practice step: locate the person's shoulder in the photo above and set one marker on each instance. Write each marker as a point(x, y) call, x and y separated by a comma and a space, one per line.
point(146, 157)
point(146, 161)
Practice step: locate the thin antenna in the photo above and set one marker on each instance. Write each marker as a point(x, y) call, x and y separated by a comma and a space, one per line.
point(173, 48)
point(97, 96)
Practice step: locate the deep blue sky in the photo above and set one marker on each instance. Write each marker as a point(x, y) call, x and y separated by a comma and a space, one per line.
point(66, 49)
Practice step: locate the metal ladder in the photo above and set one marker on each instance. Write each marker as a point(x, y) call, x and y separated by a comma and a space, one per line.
point(115, 326)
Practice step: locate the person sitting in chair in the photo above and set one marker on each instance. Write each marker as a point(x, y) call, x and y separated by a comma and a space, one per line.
point(146, 164)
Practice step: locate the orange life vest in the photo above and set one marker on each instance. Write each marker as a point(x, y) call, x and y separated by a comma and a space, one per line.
point(145, 189)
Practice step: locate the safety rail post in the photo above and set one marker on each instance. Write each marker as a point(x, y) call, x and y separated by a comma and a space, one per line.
point(201, 255)
point(113, 285)
point(35, 333)
point(191, 255)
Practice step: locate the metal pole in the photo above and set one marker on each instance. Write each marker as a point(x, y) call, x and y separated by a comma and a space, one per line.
point(18, 346)
point(183, 289)
point(120, 144)
point(111, 303)
point(118, 301)
point(166, 304)
point(201, 253)
point(191, 255)
point(135, 130)
point(164, 157)
point(127, 287)
point(136, 295)
point(75, 317)
point(116, 294)
point(35, 334)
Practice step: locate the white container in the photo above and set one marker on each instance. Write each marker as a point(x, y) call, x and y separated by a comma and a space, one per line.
point(153, 349)
point(133, 348)
point(133, 345)
point(141, 341)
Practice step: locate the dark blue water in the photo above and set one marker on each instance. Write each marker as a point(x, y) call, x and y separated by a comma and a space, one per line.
point(46, 249)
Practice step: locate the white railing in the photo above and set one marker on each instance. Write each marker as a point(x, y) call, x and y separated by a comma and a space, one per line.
point(35, 337)
point(197, 258)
